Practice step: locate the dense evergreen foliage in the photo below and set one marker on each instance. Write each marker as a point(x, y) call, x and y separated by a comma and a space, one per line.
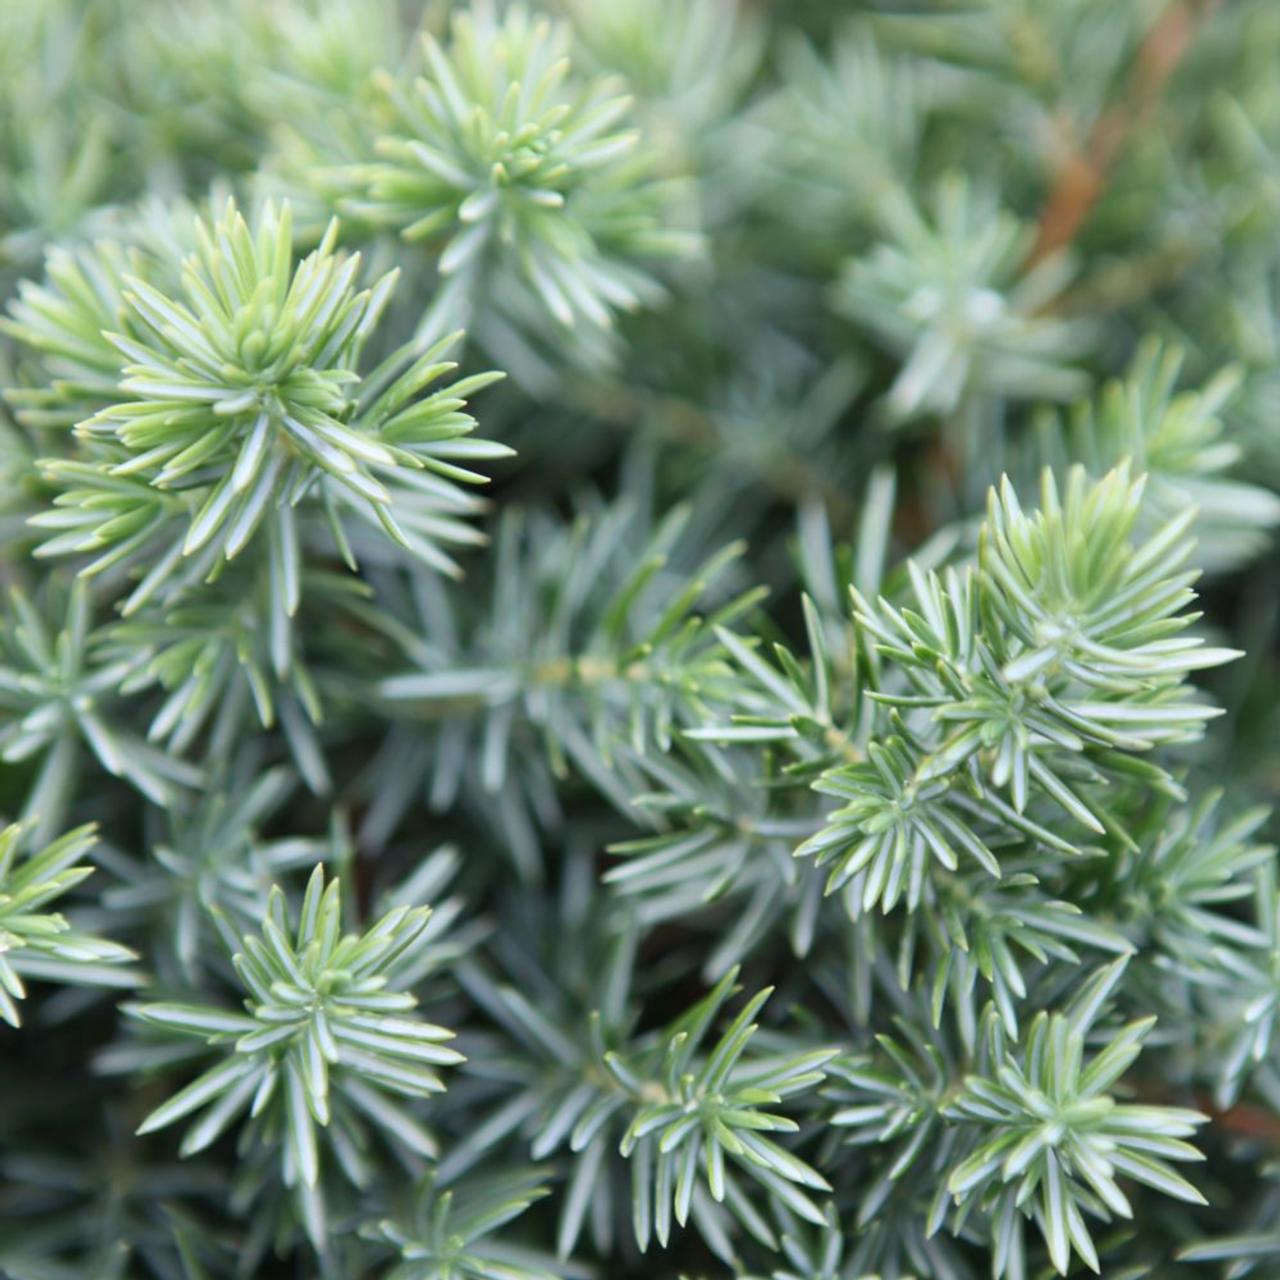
point(639, 639)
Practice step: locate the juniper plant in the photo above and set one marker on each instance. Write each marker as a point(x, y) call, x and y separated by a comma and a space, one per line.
point(812, 740)
point(323, 1033)
point(42, 944)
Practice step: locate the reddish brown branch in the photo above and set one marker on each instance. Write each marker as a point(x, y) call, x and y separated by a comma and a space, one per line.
point(1083, 175)
point(1245, 1121)
point(1240, 1120)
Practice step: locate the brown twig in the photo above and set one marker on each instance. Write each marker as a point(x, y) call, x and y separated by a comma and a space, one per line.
point(1083, 175)
point(1239, 1120)
point(1245, 1121)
